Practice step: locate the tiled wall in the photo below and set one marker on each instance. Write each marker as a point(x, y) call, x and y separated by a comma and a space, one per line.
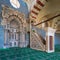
point(57, 38)
point(23, 6)
point(1, 36)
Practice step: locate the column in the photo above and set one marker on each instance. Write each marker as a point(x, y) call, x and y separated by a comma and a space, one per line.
point(22, 35)
point(22, 39)
point(50, 40)
point(5, 38)
point(14, 34)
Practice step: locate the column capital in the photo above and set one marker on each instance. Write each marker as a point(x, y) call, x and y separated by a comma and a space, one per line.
point(50, 31)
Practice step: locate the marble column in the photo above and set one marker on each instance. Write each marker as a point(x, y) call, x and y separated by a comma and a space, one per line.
point(50, 39)
point(22, 39)
point(5, 38)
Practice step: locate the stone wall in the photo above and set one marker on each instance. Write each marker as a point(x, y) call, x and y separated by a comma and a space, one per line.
point(8, 15)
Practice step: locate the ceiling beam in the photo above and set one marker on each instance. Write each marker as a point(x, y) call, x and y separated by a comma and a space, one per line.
point(47, 20)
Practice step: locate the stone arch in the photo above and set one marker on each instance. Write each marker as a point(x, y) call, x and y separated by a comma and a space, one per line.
point(56, 22)
point(20, 30)
point(8, 17)
point(20, 20)
point(45, 24)
point(49, 23)
point(17, 19)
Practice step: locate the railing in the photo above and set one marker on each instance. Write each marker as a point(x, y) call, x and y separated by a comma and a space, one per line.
point(42, 39)
point(38, 39)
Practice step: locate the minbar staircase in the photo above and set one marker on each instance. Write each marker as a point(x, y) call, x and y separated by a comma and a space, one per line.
point(37, 42)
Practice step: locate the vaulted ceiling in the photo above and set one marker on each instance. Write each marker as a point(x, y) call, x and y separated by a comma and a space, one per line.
point(50, 11)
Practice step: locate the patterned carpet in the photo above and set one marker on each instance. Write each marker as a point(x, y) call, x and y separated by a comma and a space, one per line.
point(28, 54)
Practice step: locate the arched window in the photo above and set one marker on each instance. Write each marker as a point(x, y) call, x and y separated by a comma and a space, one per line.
point(15, 3)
